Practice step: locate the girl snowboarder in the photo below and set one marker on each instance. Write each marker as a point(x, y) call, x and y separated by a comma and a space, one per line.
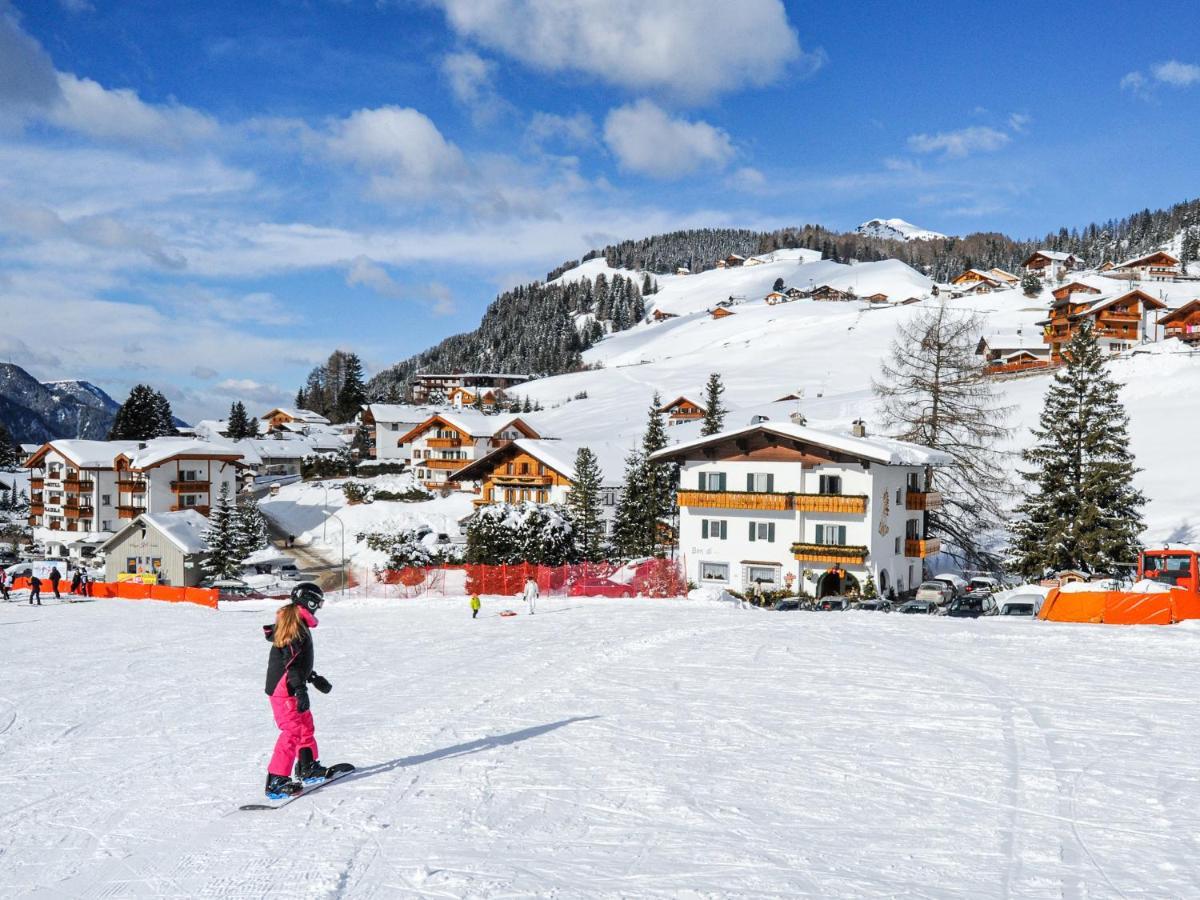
point(289, 672)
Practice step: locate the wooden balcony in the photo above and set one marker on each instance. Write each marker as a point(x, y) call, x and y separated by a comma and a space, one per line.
point(920, 549)
point(203, 510)
point(36, 509)
point(442, 485)
point(78, 512)
point(72, 526)
point(35, 520)
point(190, 487)
point(36, 484)
point(440, 443)
point(830, 553)
point(78, 485)
point(523, 480)
point(826, 503)
point(133, 486)
point(126, 511)
point(919, 500)
point(449, 465)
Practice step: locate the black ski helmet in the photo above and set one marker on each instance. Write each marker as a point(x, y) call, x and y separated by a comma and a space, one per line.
point(308, 595)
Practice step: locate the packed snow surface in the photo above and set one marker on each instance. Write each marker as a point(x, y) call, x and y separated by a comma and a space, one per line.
point(601, 748)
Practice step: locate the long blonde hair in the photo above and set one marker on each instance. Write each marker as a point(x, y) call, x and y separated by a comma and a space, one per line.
point(289, 627)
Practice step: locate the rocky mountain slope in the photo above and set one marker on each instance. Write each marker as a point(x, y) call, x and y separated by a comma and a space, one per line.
point(36, 411)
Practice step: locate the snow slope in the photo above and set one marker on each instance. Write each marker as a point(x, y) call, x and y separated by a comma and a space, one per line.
point(601, 749)
point(830, 351)
point(896, 230)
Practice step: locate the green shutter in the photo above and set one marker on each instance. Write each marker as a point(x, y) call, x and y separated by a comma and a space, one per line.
point(753, 528)
point(704, 528)
point(771, 533)
point(770, 483)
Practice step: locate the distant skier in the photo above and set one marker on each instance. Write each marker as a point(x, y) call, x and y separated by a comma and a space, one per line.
point(35, 589)
point(77, 582)
point(55, 578)
point(289, 672)
point(531, 593)
point(4, 584)
point(474, 606)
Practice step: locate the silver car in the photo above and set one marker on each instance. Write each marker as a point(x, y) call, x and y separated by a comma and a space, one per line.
point(935, 591)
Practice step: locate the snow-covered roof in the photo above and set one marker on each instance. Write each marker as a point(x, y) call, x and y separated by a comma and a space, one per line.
point(509, 375)
point(1133, 261)
point(400, 412)
point(160, 450)
point(90, 454)
point(185, 529)
point(478, 424)
point(557, 455)
point(1014, 341)
point(1055, 255)
point(302, 415)
point(874, 449)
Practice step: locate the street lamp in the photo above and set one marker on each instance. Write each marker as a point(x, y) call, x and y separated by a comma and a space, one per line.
point(325, 485)
point(341, 525)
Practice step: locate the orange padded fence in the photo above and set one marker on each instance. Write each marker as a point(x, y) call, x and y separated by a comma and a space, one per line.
point(134, 590)
point(1121, 607)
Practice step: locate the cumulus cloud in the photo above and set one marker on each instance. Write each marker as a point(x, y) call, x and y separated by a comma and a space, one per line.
point(960, 143)
point(575, 131)
point(35, 222)
point(27, 76)
point(92, 109)
point(646, 140)
point(365, 272)
point(401, 145)
point(695, 52)
point(1172, 73)
point(472, 82)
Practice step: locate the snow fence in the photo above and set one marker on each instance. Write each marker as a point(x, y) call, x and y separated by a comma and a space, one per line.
point(134, 590)
point(647, 578)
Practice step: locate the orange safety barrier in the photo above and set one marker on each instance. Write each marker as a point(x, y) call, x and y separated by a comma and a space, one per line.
point(1120, 607)
point(135, 590)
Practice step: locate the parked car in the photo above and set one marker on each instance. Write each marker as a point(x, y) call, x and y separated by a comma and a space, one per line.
point(939, 592)
point(957, 584)
point(236, 590)
point(878, 605)
point(290, 571)
point(598, 587)
point(972, 606)
point(832, 604)
point(918, 607)
point(983, 583)
point(787, 604)
point(1021, 605)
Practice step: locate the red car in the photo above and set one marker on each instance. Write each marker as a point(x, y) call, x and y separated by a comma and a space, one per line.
point(599, 587)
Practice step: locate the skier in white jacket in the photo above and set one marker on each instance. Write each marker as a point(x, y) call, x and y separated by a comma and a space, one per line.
point(531, 593)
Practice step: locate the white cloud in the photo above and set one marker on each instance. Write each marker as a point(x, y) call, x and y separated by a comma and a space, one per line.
point(27, 77)
point(960, 143)
point(472, 81)
point(89, 108)
point(40, 223)
point(645, 139)
point(400, 144)
point(748, 179)
point(1176, 73)
point(366, 272)
point(577, 130)
point(1134, 81)
point(1019, 121)
point(693, 52)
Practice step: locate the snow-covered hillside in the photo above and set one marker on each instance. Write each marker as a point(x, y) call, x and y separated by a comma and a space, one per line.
point(602, 748)
point(830, 351)
point(896, 230)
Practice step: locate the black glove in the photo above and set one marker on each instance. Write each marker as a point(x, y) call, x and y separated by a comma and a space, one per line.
point(269, 632)
point(302, 699)
point(320, 682)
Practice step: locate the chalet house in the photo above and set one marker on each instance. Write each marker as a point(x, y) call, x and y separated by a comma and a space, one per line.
point(682, 409)
point(1005, 353)
point(543, 471)
point(794, 293)
point(1157, 266)
point(683, 270)
point(825, 292)
point(388, 422)
point(169, 546)
point(446, 442)
point(1183, 323)
point(753, 261)
point(732, 261)
point(785, 505)
point(282, 416)
point(1119, 322)
point(908, 301)
point(84, 488)
point(1005, 277)
point(876, 298)
point(976, 276)
point(660, 316)
point(430, 387)
point(461, 397)
point(1049, 263)
point(776, 297)
point(981, 286)
point(1073, 287)
point(721, 312)
point(1106, 266)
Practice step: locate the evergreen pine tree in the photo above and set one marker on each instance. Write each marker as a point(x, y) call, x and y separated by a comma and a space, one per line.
point(583, 503)
point(362, 441)
point(10, 451)
point(164, 417)
point(629, 532)
point(301, 401)
point(1082, 511)
point(714, 411)
point(249, 527)
point(1031, 284)
point(778, 286)
point(661, 478)
point(238, 426)
point(144, 415)
point(224, 559)
point(353, 392)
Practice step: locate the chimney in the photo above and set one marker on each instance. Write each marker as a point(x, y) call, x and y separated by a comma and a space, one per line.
point(798, 418)
point(142, 445)
point(858, 428)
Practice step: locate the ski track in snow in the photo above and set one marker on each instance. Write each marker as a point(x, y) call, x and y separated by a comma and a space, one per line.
point(602, 749)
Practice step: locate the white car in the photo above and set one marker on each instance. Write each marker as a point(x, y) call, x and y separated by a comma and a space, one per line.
point(936, 591)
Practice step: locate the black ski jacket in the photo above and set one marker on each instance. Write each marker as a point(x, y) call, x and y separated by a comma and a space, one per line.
point(295, 661)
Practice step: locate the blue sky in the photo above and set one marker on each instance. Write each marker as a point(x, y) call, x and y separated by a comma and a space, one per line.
point(211, 197)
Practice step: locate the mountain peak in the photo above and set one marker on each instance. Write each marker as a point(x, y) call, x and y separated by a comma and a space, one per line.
point(896, 230)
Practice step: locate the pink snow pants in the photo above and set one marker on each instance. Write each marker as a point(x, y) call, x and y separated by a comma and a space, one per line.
point(295, 731)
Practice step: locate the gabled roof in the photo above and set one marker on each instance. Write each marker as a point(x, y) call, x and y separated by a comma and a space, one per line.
point(1003, 274)
point(161, 450)
point(1146, 257)
point(682, 398)
point(980, 275)
point(556, 455)
point(1074, 287)
point(1052, 255)
point(870, 449)
point(1010, 341)
point(84, 454)
point(300, 415)
point(185, 529)
point(472, 423)
point(400, 412)
point(1188, 309)
point(1104, 303)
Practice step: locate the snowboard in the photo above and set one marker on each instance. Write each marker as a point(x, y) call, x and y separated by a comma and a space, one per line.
point(335, 772)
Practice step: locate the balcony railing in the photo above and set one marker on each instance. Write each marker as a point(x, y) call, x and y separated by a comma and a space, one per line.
point(919, 549)
point(35, 519)
point(189, 487)
point(133, 486)
point(444, 443)
point(919, 500)
point(79, 487)
point(36, 484)
point(78, 512)
point(826, 503)
point(36, 509)
point(179, 507)
point(447, 464)
point(830, 553)
point(439, 485)
point(127, 511)
point(523, 480)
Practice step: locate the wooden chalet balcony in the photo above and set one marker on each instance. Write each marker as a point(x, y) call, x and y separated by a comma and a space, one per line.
point(36, 509)
point(1023, 365)
point(203, 510)
point(78, 512)
point(497, 443)
point(524, 480)
point(919, 549)
point(449, 465)
point(828, 503)
point(830, 553)
point(444, 443)
point(35, 519)
point(440, 485)
point(128, 511)
point(190, 487)
point(36, 484)
point(919, 500)
point(133, 485)
point(72, 526)
point(78, 485)
point(1183, 332)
